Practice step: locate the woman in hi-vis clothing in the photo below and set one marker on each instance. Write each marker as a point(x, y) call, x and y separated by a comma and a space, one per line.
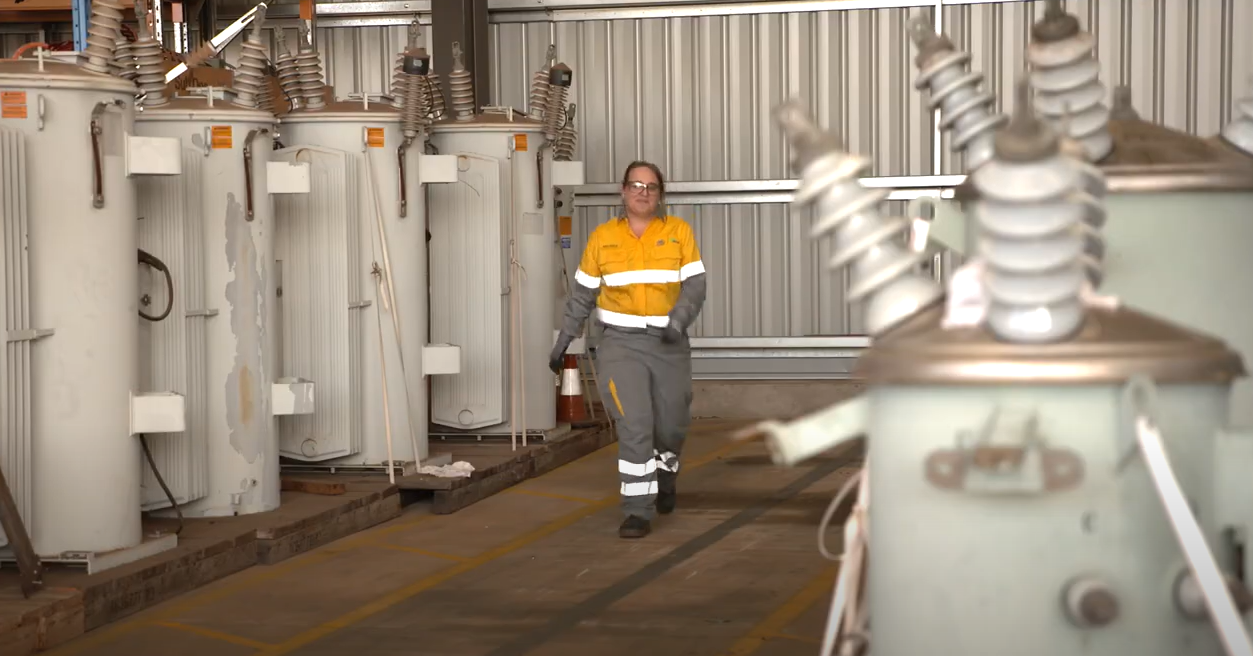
point(643, 275)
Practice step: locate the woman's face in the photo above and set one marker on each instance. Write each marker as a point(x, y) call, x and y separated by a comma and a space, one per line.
point(641, 191)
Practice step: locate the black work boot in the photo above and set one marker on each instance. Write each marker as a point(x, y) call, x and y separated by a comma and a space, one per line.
point(666, 495)
point(634, 526)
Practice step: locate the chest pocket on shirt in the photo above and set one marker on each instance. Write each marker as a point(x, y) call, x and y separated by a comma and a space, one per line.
point(614, 260)
point(666, 257)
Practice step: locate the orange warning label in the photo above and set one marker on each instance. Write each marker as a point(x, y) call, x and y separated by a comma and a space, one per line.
point(13, 104)
point(374, 137)
point(220, 136)
point(565, 226)
point(519, 143)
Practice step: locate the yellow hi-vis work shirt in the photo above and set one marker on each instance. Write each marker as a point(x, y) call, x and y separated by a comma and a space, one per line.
point(639, 277)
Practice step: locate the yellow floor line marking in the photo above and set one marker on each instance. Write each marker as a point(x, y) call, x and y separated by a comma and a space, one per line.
point(549, 495)
point(421, 552)
point(794, 638)
point(258, 575)
point(216, 635)
point(413, 589)
point(776, 622)
point(248, 579)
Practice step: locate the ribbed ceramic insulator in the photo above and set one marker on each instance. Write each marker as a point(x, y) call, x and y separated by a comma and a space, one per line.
point(124, 59)
point(399, 84)
point(151, 71)
point(567, 143)
point(881, 265)
point(1030, 233)
point(567, 137)
point(288, 77)
point(461, 89)
point(102, 33)
point(250, 82)
point(1090, 194)
point(539, 94)
point(435, 97)
point(965, 110)
point(309, 66)
point(1067, 79)
point(416, 107)
point(555, 110)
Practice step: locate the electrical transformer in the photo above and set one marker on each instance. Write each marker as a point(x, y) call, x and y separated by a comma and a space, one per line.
point(494, 252)
point(71, 403)
point(1064, 464)
point(352, 261)
point(214, 227)
point(1176, 222)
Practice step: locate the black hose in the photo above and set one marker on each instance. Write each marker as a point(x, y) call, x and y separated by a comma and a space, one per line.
point(143, 441)
point(151, 260)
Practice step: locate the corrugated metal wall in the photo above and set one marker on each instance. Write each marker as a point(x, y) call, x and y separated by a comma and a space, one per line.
point(694, 95)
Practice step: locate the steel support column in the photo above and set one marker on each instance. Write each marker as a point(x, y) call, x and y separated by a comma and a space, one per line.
point(81, 13)
point(463, 21)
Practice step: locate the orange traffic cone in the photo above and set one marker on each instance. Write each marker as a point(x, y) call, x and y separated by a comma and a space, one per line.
point(570, 408)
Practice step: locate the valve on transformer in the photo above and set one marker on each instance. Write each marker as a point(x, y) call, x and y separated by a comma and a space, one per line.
point(538, 104)
point(881, 264)
point(965, 110)
point(1029, 232)
point(1067, 80)
point(559, 80)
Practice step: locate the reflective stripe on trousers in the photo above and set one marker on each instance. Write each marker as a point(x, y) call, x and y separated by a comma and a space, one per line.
point(646, 385)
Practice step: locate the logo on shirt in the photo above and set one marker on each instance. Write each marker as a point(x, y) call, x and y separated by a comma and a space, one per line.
point(673, 240)
point(661, 242)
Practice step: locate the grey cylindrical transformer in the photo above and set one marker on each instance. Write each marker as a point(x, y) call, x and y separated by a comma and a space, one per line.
point(1009, 515)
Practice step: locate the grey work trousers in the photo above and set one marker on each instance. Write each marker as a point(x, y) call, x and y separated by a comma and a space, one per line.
point(646, 386)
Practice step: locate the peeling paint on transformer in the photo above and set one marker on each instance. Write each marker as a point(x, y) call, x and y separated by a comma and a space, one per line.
point(247, 401)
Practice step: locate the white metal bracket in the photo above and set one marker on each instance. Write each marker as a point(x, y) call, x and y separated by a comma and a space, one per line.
point(28, 335)
point(291, 396)
point(158, 412)
point(441, 359)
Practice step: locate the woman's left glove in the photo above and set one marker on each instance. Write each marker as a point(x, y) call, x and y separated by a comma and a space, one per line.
point(557, 358)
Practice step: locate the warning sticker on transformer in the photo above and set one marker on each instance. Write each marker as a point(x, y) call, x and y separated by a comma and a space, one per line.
point(13, 104)
point(220, 136)
point(374, 137)
point(519, 143)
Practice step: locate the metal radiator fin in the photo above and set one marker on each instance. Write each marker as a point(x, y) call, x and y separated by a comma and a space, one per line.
point(173, 352)
point(467, 282)
point(15, 399)
point(321, 304)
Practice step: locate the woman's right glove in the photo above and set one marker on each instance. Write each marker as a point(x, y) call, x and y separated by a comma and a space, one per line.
point(557, 358)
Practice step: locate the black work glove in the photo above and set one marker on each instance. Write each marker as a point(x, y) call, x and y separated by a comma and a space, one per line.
point(556, 360)
point(671, 334)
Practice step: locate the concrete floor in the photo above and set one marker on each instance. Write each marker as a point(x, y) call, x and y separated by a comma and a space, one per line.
point(538, 570)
